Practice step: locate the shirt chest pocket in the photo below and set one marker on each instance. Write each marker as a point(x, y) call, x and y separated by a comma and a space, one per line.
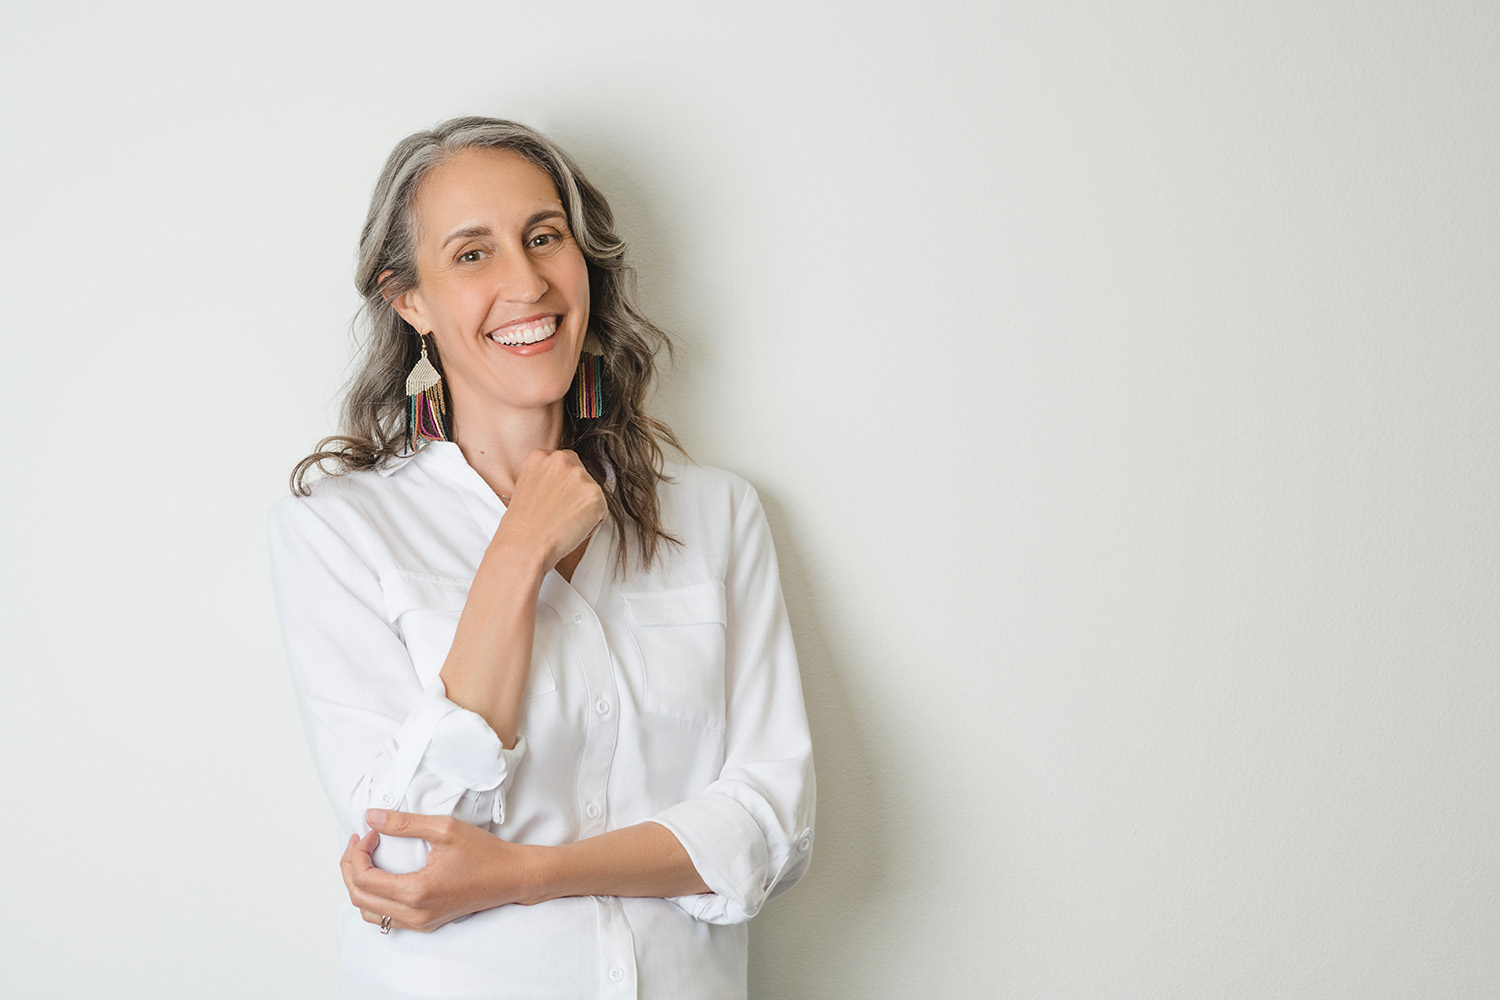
point(425, 609)
point(680, 635)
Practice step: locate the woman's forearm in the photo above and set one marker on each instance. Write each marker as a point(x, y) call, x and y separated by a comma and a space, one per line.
point(641, 860)
point(490, 659)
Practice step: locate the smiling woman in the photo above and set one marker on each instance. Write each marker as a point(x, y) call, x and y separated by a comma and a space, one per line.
point(620, 436)
point(546, 676)
point(505, 289)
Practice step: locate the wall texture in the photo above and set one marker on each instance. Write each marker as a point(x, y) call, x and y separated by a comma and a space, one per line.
point(1119, 377)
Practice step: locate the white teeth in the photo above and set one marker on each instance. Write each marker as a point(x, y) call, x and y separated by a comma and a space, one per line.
point(532, 333)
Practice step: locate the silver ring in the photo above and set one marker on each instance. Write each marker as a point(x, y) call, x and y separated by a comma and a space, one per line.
point(385, 924)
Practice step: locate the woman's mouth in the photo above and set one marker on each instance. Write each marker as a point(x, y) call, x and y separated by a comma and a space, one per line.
point(530, 332)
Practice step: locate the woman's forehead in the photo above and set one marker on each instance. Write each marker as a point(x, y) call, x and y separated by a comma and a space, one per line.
point(484, 187)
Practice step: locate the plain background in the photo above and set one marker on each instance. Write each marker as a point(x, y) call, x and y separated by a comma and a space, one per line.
point(1120, 379)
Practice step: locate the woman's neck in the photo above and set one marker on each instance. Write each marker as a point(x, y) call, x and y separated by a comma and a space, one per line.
point(496, 444)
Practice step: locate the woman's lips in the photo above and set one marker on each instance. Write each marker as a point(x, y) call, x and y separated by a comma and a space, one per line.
point(527, 337)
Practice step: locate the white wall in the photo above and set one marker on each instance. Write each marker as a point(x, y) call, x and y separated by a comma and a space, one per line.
point(1120, 378)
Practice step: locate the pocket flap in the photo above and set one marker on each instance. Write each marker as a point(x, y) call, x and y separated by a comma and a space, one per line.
point(406, 591)
point(699, 604)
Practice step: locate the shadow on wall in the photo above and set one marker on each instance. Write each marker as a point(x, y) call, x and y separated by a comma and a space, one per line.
point(810, 940)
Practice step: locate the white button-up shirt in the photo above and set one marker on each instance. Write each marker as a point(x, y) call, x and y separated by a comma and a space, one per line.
point(669, 695)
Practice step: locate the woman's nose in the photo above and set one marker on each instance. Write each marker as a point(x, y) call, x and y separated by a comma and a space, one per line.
point(520, 280)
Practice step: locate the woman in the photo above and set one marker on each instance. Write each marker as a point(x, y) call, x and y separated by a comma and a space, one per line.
point(536, 663)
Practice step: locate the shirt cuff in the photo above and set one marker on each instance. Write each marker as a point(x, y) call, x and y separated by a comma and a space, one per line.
point(465, 750)
point(729, 851)
point(456, 747)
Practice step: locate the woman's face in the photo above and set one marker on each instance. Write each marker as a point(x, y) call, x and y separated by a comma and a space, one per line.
point(501, 285)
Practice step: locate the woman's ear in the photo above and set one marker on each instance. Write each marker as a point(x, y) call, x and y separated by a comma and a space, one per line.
point(408, 304)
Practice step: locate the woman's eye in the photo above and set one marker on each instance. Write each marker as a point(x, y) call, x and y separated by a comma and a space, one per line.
point(543, 240)
point(470, 256)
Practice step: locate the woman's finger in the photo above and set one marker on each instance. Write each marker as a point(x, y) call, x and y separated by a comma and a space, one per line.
point(373, 902)
point(374, 917)
point(370, 901)
point(365, 877)
point(404, 824)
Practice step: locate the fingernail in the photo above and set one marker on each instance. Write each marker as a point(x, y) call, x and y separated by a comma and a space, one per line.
point(375, 817)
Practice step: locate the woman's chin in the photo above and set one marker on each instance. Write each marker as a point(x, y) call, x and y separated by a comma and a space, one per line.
point(544, 401)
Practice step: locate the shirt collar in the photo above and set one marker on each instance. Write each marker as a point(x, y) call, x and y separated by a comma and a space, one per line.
point(399, 460)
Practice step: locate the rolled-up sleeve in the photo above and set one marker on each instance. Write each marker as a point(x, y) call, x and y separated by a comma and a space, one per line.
point(749, 833)
point(379, 737)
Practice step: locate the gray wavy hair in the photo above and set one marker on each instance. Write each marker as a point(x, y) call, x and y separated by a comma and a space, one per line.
point(625, 440)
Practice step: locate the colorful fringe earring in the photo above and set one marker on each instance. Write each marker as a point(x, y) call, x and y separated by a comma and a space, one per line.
point(588, 387)
point(426, 409)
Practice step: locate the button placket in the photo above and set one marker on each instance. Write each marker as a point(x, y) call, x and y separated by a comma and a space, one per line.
point(601, 727)
point(616, 949)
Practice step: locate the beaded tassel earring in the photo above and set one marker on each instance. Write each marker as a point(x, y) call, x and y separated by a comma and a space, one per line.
point(588, 387)
point(426, 409)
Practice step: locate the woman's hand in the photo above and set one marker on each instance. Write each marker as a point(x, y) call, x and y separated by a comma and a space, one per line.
point(467, 870)
point(556, 505)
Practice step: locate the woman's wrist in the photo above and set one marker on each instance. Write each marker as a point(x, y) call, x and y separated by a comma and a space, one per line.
point(520, 556)
point(541, 876)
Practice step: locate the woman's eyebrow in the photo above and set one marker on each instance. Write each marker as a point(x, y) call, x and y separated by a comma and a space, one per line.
point(466, 233)
point(471, 232)
point(546, 214)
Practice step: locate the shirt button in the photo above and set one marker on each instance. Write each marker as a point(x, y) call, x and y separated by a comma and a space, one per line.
point(387, 799)
point(578, 617)
point(593, 811)
point(804, 844)
point(602, 706)
point(617, 974)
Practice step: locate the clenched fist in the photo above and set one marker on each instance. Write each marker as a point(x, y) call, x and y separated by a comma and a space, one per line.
point(555, 507)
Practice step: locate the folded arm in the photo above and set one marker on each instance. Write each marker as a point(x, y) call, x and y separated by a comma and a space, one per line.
point(469, 870)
